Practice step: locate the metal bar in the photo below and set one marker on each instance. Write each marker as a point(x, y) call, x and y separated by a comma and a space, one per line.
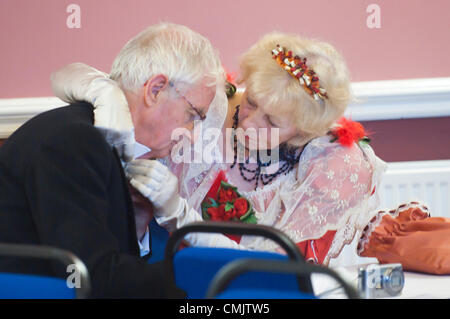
point(233, 269)
point(52, 253)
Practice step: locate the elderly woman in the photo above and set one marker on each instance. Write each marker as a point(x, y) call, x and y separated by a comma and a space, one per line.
point(321, 189)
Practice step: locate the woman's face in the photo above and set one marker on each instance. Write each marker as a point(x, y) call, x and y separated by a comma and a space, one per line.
point(253, 117)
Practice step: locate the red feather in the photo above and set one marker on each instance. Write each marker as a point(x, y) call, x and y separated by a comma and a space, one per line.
point(349, 131)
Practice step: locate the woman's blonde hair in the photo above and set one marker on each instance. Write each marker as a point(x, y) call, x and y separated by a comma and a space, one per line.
point(283, 95)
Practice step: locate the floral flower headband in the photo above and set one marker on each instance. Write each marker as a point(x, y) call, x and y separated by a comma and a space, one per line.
point(298, 69)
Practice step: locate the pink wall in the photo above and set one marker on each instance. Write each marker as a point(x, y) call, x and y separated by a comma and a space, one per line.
point(410, 139)
point(411, 43)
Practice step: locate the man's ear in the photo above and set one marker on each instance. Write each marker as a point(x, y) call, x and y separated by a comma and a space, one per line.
point(153, 87)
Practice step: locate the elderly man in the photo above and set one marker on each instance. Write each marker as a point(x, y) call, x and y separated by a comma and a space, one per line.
point(61, 179)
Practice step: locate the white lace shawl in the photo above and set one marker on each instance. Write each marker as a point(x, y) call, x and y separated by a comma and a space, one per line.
point(332, 188)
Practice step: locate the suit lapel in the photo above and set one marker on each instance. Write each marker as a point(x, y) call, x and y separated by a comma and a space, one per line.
point(130, 209)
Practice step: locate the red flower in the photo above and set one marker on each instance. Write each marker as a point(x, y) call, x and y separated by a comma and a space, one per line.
point(226, 214)
point(241, 207)
point(220, 214)
point(231, 76)
point(214, 213)
point(345, 137)
point(226, 195)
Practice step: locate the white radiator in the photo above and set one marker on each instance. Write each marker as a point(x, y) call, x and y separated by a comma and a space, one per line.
point(424, 181)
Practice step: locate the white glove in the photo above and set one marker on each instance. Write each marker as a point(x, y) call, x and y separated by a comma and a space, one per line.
point(80, 82)
point(157, 183)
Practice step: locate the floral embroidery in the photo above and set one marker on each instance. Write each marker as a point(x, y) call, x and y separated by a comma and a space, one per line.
point(335, 194)
point(312, 210)
point(330, 174)
point(360, 188)
point(319, 219)
point(346, 158)
point(342, 203)
point(309, 191)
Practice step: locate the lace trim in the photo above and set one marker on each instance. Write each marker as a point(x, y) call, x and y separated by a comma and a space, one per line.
point(376, 220)
point(345, 233)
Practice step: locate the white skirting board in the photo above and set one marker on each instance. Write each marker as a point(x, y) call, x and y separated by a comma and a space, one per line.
point(400, 99)
point(15, 112)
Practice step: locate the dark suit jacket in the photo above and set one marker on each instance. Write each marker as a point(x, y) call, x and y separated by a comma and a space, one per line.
point(62, 185)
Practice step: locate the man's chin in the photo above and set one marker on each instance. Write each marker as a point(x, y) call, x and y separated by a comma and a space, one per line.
point(160, 153)
point(146, 155)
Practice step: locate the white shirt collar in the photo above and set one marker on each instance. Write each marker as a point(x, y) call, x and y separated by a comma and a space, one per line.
point(144, 244)
point(140, 149)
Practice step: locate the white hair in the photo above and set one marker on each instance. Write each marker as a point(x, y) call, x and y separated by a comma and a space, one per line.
point(170, 49)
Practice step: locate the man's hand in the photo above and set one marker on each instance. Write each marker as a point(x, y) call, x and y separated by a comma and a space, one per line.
point(155, 182)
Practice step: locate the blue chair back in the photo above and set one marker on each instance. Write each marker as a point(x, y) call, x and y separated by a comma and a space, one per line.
point(25, 286)
point(221, 286)
point(159, 238)
point(196, 267)
point(21, 286)
point(193, 268)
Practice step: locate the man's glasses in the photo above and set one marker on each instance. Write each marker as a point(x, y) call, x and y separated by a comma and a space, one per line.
point(199, 113)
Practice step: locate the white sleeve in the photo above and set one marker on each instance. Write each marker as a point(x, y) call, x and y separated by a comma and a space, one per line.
point(73, 82)
point(188, 215)
point(112, 117)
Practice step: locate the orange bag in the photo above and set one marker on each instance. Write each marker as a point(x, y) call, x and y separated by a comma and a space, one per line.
point(409, 236)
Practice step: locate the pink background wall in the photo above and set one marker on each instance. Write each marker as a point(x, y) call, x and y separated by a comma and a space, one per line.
point(411, 43)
